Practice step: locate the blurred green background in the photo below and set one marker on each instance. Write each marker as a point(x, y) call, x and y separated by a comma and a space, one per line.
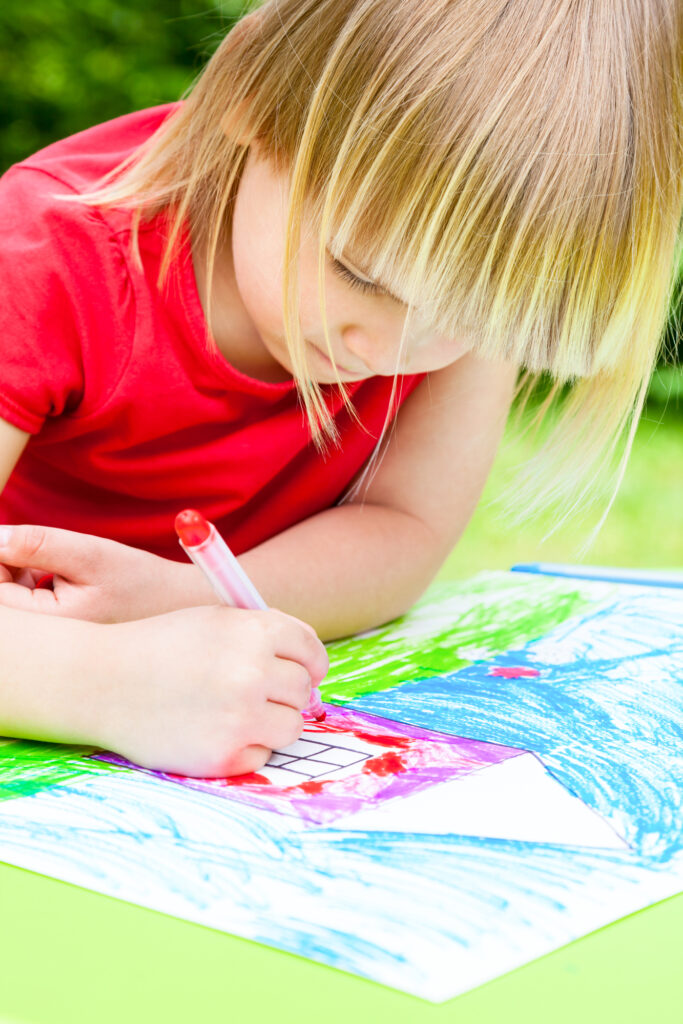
point(68, 64)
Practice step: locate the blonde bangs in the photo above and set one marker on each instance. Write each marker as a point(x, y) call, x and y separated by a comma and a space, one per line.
point(509, 170)
point(536, 212)
point(542, 232)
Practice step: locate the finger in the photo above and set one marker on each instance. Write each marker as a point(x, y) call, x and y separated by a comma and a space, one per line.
point(251, 759)
point(29, 599)
point(296, 641)
point(30, 577)
point(289, 684)
point(278, 726)
point(49, 550)
point(9, 574)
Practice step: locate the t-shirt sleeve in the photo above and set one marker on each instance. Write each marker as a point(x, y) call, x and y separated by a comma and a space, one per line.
point(61, 282)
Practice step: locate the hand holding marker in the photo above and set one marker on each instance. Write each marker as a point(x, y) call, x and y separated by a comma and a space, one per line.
point(202, 542)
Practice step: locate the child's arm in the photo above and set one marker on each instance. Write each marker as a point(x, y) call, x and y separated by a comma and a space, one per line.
point(359, 564)
point(202, 691)
point(343, 570)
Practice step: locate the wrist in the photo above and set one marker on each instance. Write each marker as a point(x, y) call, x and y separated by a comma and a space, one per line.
point(112, 661)
point(91, 682)
point(47, 689)
point(177, 585)
point(194, 587)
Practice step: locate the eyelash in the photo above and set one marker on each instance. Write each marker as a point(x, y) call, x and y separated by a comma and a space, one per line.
point(367, 287)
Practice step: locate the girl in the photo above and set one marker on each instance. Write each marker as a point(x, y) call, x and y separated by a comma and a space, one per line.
point(300, 301)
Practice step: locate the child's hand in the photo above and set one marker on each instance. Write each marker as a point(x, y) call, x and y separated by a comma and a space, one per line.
point(94, 578)
point(205, 691)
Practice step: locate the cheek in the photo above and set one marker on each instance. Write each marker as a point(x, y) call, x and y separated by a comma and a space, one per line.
point(309, 297)
point(257, 250)
point(258, 278)
point(435, 353)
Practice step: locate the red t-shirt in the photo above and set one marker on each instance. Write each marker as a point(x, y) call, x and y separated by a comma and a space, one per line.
point(135, 415)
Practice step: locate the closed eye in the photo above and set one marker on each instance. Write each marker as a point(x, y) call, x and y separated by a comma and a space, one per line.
point(367, 287)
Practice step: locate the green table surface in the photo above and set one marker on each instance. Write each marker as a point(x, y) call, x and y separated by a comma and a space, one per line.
point(67, 954)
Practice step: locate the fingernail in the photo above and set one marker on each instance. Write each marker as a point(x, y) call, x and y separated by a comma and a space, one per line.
point(5, 535)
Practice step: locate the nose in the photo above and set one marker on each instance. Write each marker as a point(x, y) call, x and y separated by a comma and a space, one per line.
point(376, 350)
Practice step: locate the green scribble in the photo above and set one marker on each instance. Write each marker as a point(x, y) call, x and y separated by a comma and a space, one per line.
point(454, 625)
point(28, 767)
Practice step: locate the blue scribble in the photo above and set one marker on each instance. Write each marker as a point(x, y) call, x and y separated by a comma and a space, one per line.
point(605, 713)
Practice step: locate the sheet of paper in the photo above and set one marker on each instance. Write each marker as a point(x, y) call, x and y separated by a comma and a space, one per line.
point(513, 781)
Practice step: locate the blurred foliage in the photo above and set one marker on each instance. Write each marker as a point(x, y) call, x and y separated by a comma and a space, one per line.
point(666, 391)
point(69, 64)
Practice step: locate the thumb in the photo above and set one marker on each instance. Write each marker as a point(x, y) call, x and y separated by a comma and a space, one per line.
point(48, 549)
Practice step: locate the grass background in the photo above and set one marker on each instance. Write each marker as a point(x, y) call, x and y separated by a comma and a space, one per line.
point(644, 527)
point(68, 64)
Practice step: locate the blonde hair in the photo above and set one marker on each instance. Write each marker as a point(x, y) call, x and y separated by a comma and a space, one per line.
point(511, 167)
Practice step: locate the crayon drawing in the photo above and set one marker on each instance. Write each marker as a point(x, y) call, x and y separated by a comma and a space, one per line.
point(347, 763)
point(545, 800)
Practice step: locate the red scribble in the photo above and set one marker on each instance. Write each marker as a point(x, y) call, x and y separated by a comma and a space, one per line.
point(250, 779)
point(386, 764)
point(311, 786)
point(381, 739)
point(514, 672)
point(403, 742)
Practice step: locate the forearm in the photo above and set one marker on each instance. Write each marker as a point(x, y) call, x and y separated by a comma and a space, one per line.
point(45, 685)
point(346, 569)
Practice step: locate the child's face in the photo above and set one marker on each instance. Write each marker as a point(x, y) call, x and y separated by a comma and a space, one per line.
point(365, 324)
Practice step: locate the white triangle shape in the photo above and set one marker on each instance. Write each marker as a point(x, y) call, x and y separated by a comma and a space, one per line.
point(515, 799)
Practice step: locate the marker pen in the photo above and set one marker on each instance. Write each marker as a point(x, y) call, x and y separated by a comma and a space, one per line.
point(202, 542)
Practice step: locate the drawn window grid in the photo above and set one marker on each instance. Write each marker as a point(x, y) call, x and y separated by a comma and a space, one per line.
point(309, 759)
